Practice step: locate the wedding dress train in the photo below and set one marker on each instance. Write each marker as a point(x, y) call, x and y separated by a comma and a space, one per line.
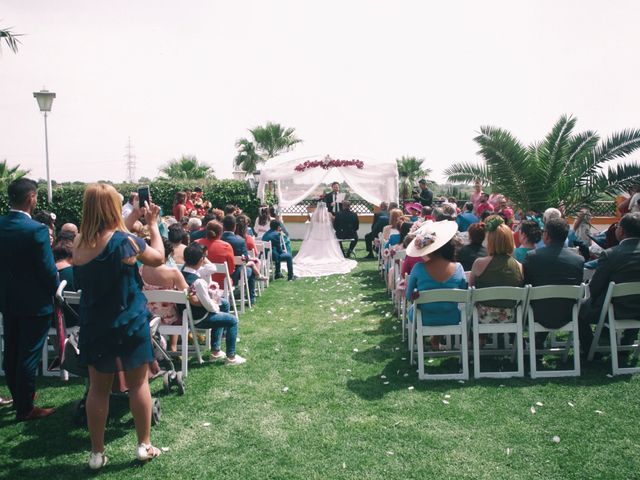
point(320, 253)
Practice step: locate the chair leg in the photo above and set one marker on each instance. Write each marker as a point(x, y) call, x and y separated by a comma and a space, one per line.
point(476, 347)
point(533, 372)
point(420, 340)
point(615, 368)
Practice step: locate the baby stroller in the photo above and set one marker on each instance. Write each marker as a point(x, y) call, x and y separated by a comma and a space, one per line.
point(69, 353)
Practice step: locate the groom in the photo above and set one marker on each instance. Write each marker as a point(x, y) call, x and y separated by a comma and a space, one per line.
point(331, 199)
point(346, 226)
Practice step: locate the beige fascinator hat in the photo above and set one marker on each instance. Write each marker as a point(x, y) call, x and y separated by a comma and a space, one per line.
point(431, 236)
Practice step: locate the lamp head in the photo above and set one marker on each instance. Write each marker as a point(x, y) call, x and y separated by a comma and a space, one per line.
point(45, 99)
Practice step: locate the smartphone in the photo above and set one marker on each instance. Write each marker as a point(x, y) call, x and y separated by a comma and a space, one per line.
point(144, 196)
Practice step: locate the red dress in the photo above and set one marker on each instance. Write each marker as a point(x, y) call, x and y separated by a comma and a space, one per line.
point(219, 252)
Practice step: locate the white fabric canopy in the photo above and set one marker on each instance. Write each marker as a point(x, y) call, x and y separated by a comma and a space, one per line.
point(376, 181)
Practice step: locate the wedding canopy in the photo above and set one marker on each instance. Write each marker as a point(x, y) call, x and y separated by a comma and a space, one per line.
point(296, 177)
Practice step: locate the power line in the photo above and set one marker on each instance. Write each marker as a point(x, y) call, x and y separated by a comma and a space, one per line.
point(130, 162)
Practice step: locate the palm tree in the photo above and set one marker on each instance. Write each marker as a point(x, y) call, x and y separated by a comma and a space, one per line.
point(247, 158)
point(187, 167)
point(410, 170)
point(10, 39)
point(564, 170)
point(267, 142)
point(9, 174)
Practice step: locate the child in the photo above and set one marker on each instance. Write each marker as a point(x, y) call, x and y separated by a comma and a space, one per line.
point(209, 309)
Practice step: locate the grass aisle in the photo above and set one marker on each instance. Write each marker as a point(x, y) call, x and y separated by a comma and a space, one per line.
point(326, 394)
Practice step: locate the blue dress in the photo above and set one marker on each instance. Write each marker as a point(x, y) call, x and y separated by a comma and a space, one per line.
point(439, 313)
point(114, 320)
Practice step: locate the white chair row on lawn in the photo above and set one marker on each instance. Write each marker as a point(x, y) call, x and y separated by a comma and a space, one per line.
point(457, 335)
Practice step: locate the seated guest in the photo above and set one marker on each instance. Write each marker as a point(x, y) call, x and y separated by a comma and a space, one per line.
point(377, 226)
point(505, 211)
point(475, 249)
point(466, 218)
point(278, 250)
point(498, 269)
point(218, 251)
point(392, 227)
point(530, 234)
point(164, 278)
point(239, 246)
point(194, 224)
point(426, 213)
point(201, 233)
point(436, 244)
point(620, 264)
point(285, 233)
point(63, 256)
point(262, 222)
point(553, 264)
point(242, 224)
point(346, 225)
point(483, 205)
point(69, 227)
point(175, 237)
point(210, 310)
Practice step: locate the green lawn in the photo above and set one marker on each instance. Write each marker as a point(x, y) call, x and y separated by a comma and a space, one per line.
point(312, 403)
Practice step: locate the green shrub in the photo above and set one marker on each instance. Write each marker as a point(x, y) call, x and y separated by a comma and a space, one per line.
point(67, 199)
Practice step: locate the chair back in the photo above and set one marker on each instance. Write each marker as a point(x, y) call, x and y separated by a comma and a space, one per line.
point(569, 292)
point(454, 295)
point(516, 294)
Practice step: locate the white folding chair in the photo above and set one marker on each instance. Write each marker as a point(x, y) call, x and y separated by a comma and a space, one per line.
point(267, 258)
point(179, 298)
point(616, 327)
point(243, 283)
point(568, 292)
point(461, 297)
point(404, 307)
point(487, 295)
point(221, 268)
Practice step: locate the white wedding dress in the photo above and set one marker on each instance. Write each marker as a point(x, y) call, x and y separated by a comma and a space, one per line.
point(320, 253)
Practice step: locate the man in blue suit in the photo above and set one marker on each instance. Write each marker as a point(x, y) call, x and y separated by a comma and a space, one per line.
point(239, 246)
point(28, 281)
point(278, 250)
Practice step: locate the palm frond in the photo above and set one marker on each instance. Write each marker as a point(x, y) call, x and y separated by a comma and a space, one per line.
point(617, 145)
point(10, 38)
point(467, 172)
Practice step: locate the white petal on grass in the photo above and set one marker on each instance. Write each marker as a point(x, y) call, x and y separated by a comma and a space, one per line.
point(509, 451)
point(344, 465)
point(539, 404)
point(599, 412)
point(383, 376)
point(556, 439)
point(165, 449)
point(377, 347)
point(390, 452)
point(609, 375)
point(405, 375)
point(285, 389)
point(356, 311)
point(571, 404)
point(447, 396)
point(533, 410)
point(460, 381)
point(403, 358)
point(446, 402)
point(356, 350)
point(386, 383)
point(410, 388)
point(206, 424)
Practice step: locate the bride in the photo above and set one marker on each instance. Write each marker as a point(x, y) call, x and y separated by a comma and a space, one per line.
point(320, 252)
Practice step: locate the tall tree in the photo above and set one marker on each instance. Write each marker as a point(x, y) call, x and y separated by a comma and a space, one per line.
point(410, 170)
point(266, 142)
point(10, 38)
point(187, 167)
point(9, 174)
point(563, 170)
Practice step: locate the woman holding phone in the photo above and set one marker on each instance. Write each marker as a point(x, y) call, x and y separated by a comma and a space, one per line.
point(114, 328)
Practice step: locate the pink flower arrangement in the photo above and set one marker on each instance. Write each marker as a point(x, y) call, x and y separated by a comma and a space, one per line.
point(327, 163)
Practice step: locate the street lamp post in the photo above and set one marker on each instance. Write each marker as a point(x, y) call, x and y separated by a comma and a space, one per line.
point(45, 99)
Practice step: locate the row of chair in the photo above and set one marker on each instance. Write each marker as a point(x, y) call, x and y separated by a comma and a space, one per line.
point(390, 267)
point(187, 327)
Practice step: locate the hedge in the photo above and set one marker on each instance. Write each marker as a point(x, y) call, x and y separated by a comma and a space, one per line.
point(67, 199)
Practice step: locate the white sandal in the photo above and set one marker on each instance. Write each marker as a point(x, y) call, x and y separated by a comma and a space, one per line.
point(146, 452)
point(97, 460)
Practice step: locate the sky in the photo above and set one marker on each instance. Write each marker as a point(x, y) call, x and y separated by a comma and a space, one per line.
point(373, 78)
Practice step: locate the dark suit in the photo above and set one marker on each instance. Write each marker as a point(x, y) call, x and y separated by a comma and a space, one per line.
point(329, 198)
point(553, 265)
point(279, 252)
point(425, 197)
point(346, 225)
point(28, 281)
point(376, 228)
point(239, 246)
point(620, 264)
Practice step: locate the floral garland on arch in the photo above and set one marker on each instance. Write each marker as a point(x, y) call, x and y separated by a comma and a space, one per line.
point(327, 163)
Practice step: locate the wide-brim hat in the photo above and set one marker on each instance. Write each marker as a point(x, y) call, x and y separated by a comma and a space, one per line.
point(408, 207)
point(431, 236)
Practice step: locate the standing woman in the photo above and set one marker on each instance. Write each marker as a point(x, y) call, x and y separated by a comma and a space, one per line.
point(114, 320)
point(180, 206)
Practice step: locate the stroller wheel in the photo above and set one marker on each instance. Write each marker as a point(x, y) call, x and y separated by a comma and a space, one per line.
point(80, 413)
point(156, 413)
point(166, 382)
point(179, 381)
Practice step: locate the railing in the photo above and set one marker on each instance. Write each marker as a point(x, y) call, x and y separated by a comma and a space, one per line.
point(358, 206)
